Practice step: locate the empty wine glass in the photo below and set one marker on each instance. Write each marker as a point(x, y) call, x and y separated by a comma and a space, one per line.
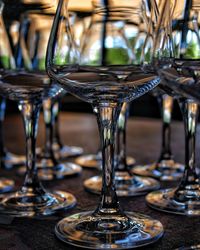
point(29, 87)
point(7, 160)
point(177, 57)
point(166, 168)
point(5, 184)
point(126, 183)
point(61, 151)
point(49, 166)
point(91, 76)
point(95, 160)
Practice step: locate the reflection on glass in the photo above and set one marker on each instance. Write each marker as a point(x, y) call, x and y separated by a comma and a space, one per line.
point(92, 76)
point(178, 66)
point(29, 86)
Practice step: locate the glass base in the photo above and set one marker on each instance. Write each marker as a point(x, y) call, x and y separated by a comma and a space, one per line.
point(11, 160)
point(126, 185)
point(164, 200)
point(108, 232)
point(47, 172)
point(66, 151)
point(94, 161)
point(6, 185)
point(29, 204)
point(166, 170)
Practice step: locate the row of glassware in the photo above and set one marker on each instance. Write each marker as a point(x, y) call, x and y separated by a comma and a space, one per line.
point(124, 51)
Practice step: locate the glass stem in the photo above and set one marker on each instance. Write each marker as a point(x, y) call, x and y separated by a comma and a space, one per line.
point(30, 114)
point(121, 139)
point(166, 104)
point(2, 116)
point(49, 125)
point(190, 113)
point(56, 134)
point(107, 115)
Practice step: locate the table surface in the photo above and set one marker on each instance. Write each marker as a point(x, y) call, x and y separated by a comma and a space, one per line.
point(143, 142)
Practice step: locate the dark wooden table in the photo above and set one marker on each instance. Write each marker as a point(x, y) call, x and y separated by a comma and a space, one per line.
point(143, 141)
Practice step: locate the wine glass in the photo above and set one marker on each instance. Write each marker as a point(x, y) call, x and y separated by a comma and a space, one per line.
point(6, 185)
point(29, 87)
point(7, 159)
point(126, 183)
point(90, 76)
point(95, 160)
point(177, 58)
point(61, 151)
point(64, 151)
point(166, 168)
point(49, 166)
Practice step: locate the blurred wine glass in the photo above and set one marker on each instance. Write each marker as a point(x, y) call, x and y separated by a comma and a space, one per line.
point(92, 76)
point(37, 27)
point(177, 58)
point(7, 159)
point(29, 86)
point(165, 168)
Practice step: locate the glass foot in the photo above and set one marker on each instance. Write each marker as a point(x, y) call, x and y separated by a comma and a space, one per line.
point(6, 185)
point(29, 204)
point(167, 170)
point(66, 151)
point(10, 160)
point(94, 161)
point(126, 185)
point(89, 231)
point(48, 172)
point(165, 200)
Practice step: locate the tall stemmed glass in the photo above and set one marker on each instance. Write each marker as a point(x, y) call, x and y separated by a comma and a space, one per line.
point(177, 72)
point(29, 88)
point(90, 76)
point(6, 62)
point(49, 166)
point(166, 168)
point(127, 184)
point(61, 150)
point(7, 160)
point(95, 160)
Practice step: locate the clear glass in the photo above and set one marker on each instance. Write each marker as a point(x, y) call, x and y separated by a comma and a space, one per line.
point(49, 166)
point(25, 83)
point(5, 184)
point(95, 77)
point(95, 160)
point(181, 70)
point(126, 183)
point(7, 160)
point(165, 168)
point(61, 151)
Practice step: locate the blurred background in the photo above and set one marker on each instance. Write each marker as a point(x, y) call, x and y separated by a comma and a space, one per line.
point(146, 106)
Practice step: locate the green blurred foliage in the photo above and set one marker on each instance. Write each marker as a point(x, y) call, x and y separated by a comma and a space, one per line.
point(5, 62)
